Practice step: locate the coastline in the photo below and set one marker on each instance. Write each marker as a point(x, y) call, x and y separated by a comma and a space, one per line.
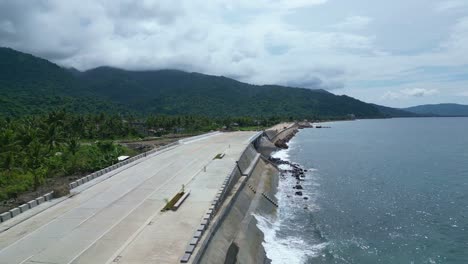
point(238, 237)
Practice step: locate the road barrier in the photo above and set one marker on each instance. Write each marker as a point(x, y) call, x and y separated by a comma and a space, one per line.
point(248, 159)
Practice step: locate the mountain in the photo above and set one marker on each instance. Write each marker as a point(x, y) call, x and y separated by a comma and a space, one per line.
point(177, 92)
point(30, 85)
point(439, 109)
point(394, 112)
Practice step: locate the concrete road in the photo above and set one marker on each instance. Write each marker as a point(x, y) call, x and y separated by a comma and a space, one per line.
point(118, 220)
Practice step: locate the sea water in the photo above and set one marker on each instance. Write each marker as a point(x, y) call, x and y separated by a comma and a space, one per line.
point(378, 191)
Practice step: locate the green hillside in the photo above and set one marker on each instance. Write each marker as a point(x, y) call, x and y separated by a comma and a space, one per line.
point(31, 85)
point(440, 109)
point(177, 92)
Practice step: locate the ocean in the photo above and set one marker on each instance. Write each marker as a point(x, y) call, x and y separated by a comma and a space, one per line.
point(378, 191)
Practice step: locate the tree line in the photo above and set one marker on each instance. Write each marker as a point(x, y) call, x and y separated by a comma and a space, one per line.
point(36, 148)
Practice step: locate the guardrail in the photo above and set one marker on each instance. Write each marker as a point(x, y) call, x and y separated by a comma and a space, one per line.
point(195, 138)
point(292, 126)
point(25, 207)
point(49, 196)
point(99, 173)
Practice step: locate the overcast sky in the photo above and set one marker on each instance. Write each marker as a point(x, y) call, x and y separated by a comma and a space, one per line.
point(396, 53)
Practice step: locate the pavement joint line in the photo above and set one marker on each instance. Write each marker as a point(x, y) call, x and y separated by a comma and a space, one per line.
point(116, 171)
point(119, 251)
point(136, 207)
point(76, 205)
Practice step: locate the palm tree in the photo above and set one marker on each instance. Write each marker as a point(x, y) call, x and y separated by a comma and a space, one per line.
point(73, 145)
point(36, 157)
point(52, 136)
point(8, 151)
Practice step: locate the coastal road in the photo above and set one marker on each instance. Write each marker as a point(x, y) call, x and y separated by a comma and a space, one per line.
point(117, 218)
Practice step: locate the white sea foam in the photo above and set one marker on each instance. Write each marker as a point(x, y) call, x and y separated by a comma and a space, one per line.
point(281, 154)
point(289, 250)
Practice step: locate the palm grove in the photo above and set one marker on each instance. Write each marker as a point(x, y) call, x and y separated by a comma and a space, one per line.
point(37, 149)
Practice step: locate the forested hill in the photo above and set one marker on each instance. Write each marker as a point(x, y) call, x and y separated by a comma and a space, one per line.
point(440, 109)
point(177, 92)
point(30, 85)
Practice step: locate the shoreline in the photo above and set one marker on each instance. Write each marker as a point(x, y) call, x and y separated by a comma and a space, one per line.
point(238, 237)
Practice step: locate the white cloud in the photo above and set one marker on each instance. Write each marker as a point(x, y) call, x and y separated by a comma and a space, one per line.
point(463, 94)
point(444, 6)
point(353, 23)
point(408, 93)
point(419, 92)
point(300, 43)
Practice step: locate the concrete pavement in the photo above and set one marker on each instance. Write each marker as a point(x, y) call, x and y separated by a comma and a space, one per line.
point(118, 220)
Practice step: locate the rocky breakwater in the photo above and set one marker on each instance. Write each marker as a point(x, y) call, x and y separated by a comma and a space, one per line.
point(294, 170)
point(282, 143)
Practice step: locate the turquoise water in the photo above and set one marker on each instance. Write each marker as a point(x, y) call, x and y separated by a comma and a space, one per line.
point(380, 191)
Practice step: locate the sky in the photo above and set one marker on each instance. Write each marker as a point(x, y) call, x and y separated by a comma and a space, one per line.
point(396, 53)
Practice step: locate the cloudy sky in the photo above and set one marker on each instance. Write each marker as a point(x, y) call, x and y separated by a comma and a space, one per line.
point(396, 53)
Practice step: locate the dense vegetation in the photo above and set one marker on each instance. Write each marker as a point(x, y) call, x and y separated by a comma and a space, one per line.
point(39, 147)
point(177, 92)
point(30, 85)
point(36, 148)
point(39, 142)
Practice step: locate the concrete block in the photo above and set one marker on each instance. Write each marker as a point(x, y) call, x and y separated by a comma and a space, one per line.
point(73, 185)
point(79, 182)
point(49, 196)
point(40, 200)
point(194, 241)
point(15, 211)
point(32, 204)
point(189, 249)
point(89, 177)
point(207, 216)
point(205, 222)
point(201, 228)
point(23, 208)
point(185, 258)
point(5, 216)
point(198, 234)
point(84, 180)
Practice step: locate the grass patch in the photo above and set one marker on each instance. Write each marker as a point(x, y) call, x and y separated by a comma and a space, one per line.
point(219, 156)
point(170, 204)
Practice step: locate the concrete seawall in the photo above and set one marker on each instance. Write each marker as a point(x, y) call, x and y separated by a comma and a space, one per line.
point(234, 236)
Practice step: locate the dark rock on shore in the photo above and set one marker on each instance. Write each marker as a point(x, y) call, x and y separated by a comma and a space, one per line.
point(282, 143)
point(298, 193)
